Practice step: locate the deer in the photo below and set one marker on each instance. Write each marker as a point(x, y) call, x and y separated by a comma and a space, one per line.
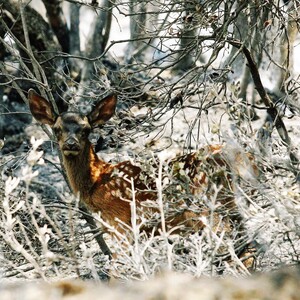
point(106, 188)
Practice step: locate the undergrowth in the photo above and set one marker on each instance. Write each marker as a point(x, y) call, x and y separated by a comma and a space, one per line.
point(45, 237)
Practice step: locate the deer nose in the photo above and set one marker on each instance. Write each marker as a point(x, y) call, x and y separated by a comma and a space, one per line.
point(71, 144)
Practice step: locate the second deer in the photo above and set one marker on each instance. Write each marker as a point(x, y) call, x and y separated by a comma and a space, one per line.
point(108, 188)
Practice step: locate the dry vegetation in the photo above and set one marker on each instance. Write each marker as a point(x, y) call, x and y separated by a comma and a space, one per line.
point(182, 82)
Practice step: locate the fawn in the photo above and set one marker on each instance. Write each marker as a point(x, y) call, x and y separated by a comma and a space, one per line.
point(107, 188)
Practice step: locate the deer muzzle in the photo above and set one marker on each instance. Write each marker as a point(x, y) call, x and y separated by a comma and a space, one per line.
point(71, 147)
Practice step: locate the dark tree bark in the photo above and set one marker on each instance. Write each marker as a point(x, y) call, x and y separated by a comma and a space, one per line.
point(58, 23)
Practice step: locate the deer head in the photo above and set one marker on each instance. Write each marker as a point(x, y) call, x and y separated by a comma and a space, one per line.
point(71, 128)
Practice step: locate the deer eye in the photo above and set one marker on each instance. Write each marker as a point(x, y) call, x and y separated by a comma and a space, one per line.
point(86, 131)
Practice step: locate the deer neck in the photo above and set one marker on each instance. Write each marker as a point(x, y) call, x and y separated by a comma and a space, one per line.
point(83, 170)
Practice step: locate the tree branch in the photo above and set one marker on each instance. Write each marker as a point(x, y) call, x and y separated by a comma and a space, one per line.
point(58, 23)
point(271, 109)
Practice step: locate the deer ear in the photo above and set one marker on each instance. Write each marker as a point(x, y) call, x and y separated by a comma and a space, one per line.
point(40, 108)
point(103, 111)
